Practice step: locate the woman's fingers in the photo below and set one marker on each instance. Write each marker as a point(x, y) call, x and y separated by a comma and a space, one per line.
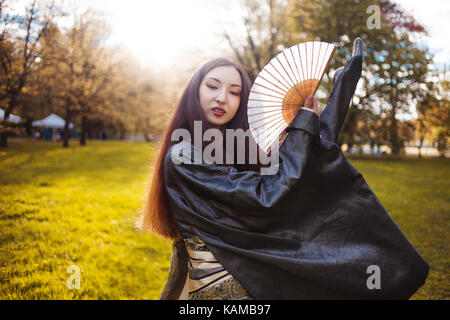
point(316, 106)
point(311, 103)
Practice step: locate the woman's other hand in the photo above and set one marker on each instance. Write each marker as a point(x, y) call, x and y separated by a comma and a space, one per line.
point(312, 104)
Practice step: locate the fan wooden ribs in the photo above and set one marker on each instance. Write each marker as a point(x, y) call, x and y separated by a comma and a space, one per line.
point(295, 98)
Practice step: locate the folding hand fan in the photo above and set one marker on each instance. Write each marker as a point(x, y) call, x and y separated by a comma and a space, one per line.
point(280, 89)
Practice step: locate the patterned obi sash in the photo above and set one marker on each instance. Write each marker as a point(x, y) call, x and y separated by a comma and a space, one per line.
point(208, 279)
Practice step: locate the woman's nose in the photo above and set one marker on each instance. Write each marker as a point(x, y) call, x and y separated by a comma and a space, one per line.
point(221, 96)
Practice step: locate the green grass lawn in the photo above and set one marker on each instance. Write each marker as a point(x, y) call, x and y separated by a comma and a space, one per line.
point(77, 206)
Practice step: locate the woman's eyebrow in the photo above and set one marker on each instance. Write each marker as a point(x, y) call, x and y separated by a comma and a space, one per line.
point(233, 85)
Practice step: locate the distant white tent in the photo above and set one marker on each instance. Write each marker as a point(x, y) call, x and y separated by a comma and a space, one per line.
point(12, 117)
point(52, 121)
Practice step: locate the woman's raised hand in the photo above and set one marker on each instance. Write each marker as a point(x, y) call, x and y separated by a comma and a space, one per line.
point(311, 103)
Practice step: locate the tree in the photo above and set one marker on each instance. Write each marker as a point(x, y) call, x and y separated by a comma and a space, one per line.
point(394, 75)
point(265, 34)
point(92, 67)
point(20, 51)
point(79, 68)
point(424, 123)
point(73, 73)
point(439, 116)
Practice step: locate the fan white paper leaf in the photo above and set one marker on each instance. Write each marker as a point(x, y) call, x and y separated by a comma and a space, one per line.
point(280, 89)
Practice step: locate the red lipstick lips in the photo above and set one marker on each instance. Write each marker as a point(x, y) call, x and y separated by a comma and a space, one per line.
point(217, 111)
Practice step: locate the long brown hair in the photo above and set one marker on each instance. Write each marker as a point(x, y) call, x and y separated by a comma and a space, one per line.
point(157, 216)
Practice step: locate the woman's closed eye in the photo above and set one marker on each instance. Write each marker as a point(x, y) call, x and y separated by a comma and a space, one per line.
point(213, 87)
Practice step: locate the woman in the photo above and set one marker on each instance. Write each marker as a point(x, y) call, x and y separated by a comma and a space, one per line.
point(217, 96)
point(313, 229)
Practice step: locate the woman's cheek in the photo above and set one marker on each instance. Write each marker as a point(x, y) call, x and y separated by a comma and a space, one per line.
point(236, 103)
point(234, 112)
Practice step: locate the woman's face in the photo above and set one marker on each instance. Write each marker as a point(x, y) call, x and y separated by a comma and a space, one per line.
point(219, 95)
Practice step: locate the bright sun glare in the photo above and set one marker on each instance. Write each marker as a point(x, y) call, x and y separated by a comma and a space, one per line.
point(158, 31)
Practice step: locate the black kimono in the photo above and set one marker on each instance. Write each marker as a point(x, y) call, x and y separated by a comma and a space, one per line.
point(313, 230)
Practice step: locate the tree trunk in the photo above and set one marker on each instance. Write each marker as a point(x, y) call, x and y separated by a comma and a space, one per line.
point(28, 125)
point(83, 130)
point(14, 96)
point(3, 139)
point(350, 147)
point(372, 147)
point(5, 124)
point(90, 131)
point(420, 147)
point(395, 141)
point(66, 136)
point(4, 129)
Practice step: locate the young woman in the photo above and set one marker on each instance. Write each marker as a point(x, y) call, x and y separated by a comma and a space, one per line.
point(217, 96)
point(313, 229)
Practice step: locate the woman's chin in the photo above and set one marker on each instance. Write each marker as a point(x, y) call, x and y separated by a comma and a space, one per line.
point(217, 123)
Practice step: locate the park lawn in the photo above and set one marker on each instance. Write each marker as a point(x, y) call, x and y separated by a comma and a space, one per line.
point(77, 206)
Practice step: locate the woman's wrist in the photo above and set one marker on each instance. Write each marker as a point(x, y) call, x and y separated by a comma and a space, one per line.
point(307, 121)
point(312, 110)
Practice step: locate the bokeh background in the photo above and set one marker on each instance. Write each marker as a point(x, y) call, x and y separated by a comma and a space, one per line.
point(87, 88)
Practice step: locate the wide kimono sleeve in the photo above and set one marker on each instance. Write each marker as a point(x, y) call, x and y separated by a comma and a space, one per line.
point(244, 200)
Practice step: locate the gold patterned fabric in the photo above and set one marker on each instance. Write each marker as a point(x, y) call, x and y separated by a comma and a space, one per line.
point(208, 279)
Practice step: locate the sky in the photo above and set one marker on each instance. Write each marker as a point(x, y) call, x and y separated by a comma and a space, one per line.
point(161, 33)
point(178, 27)
point(434, 15)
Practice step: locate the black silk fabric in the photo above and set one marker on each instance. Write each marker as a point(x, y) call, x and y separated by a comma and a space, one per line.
point(312, 230)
